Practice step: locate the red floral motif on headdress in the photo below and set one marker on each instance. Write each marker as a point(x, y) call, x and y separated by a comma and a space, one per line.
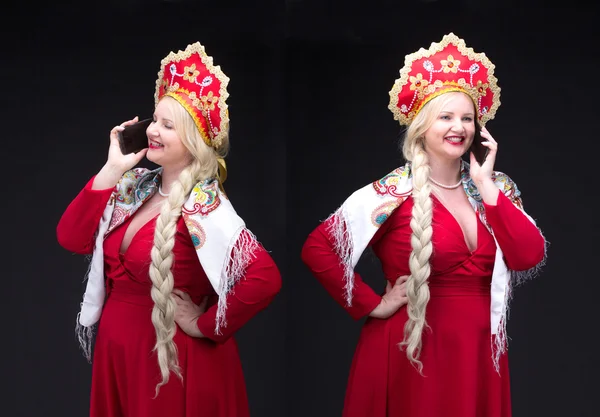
point(446, 66)
point(190, 77)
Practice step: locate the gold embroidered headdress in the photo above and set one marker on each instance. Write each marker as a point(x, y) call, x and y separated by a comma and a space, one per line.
point(190, 77)
point(446, 66)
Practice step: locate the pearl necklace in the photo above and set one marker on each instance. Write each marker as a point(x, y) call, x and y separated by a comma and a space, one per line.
point(161, 192)
point(447, 187)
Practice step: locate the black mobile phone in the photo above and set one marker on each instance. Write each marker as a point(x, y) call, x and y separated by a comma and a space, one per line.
point(133, 138)
point(477, 148)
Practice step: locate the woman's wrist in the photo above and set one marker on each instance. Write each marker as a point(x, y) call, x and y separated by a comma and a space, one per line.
point(108, 177)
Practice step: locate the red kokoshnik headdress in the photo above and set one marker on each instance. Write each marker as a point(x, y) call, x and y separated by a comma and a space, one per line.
point(445, 67)
point(190, 77)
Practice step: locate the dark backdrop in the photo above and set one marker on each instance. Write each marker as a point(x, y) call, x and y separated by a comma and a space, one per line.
point(72, 72)
point(341, 136)
point(309, 94)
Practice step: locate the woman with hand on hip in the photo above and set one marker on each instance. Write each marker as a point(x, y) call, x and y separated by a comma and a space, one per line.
point(453, 239)
point(174, 272)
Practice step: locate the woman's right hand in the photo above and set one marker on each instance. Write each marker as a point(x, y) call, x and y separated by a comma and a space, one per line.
point(394, 298)
point(117, 163)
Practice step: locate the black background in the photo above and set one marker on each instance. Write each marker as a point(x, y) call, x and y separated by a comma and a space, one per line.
point(309, 125)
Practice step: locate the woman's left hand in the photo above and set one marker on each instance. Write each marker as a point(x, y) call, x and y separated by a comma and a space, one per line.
point(480, 173)
point(187, 313)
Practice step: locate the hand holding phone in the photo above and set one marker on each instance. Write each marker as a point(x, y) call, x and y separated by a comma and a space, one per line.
point(133, 138)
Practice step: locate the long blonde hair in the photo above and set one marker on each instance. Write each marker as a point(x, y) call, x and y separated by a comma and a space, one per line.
point(417, 287)
point(203, 165)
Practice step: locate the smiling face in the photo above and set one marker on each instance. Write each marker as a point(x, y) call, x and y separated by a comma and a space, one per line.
point(164, 145)
point(451, 133)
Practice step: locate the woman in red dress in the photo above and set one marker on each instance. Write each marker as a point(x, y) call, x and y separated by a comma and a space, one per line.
point(452, 238)
point(174, 271)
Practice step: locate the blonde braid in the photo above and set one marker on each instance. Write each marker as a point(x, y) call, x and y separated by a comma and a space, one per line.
point(417, 288)
point(163, 312)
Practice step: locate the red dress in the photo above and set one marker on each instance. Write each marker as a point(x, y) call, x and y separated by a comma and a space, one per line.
point(459, 377)
point(125, 369)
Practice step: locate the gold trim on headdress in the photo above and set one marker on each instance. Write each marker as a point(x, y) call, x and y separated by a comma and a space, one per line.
point(446, 66)
point(204, 100)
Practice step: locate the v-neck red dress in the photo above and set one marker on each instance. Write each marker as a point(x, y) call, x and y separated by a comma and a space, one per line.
point(125, 369)
point(459, 377)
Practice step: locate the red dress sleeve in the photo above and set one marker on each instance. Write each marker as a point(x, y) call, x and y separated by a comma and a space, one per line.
point(520, 240)
point(319, 255)
point(253, 293)
point(78, 224)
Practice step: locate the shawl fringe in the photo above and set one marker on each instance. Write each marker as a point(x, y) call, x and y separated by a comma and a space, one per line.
point(240, 256)
point(500, 340)
point(342, 242)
